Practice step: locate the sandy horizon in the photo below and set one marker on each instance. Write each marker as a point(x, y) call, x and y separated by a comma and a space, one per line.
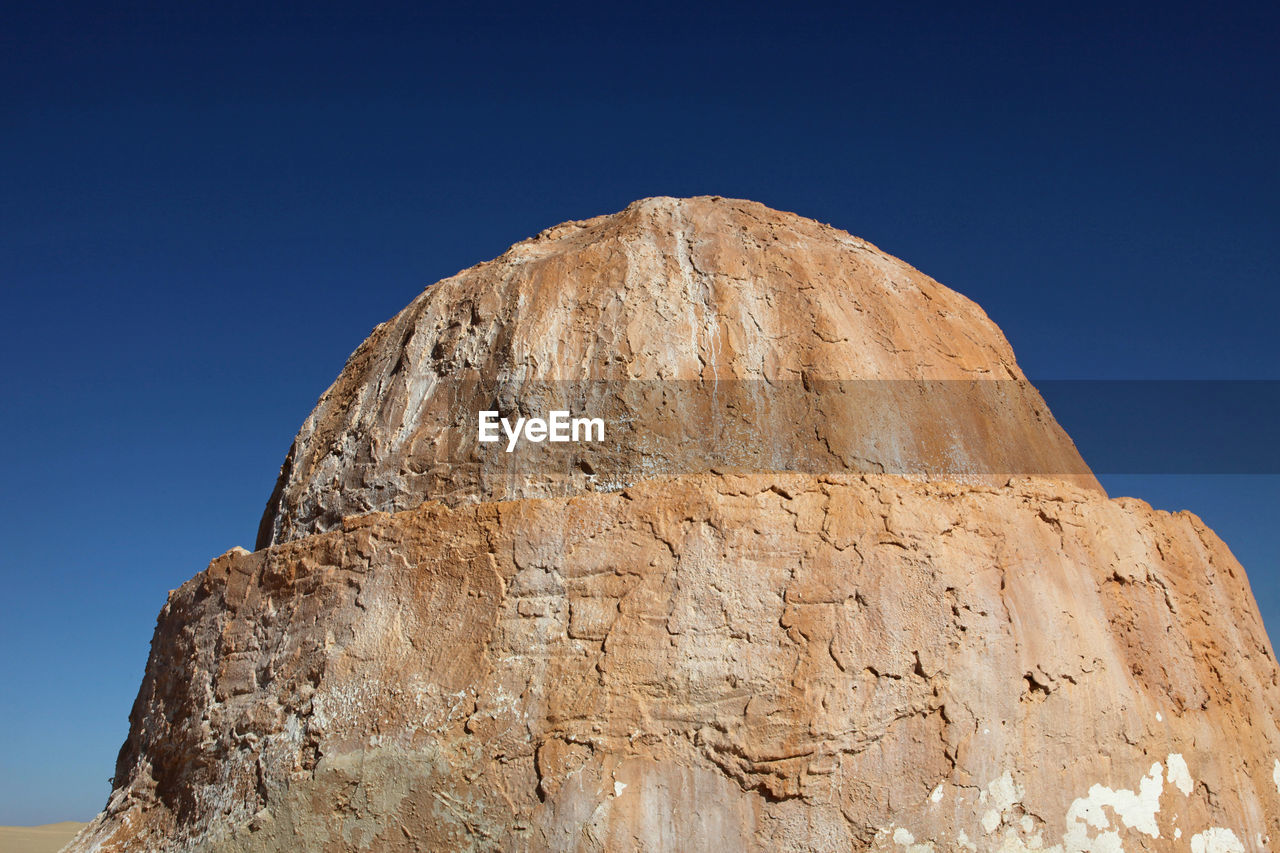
point(46, 838)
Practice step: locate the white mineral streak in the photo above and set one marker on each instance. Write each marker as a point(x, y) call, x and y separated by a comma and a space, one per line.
point(1216, 840)
point(1136, 810)
point(1179, 775)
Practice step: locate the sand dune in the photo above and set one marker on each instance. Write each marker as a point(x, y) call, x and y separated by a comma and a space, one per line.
point(38, 839)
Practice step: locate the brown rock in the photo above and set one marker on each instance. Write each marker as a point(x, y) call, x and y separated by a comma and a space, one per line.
point(766, 660)
point(708, 333)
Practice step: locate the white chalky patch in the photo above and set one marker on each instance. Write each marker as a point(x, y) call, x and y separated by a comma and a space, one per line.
point(1085, 817)
point(1107, 842)
point(1001, 795)
point(618, 788)
point(1179, 775)
point(1159, 719)
point(1004, 793)
point(1134, 810)
point(1275, 774)
point(1216, 840)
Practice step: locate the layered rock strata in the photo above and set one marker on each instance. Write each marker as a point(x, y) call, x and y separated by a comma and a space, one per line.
point(888, 643)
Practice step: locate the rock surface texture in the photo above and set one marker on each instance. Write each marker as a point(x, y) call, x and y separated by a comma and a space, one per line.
point(646, 317)
point(845, 628)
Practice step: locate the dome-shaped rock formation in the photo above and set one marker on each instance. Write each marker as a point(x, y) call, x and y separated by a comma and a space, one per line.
point(835, 580)
point(799, 347)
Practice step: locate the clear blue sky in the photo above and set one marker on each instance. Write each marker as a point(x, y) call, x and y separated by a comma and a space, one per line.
point(204, 210)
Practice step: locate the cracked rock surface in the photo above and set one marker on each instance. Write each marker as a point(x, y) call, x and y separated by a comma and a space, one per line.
point(479, 657)
point(799, 347)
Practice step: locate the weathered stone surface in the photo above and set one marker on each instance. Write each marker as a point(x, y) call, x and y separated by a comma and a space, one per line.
point(720, 660)
point(764, 661)
point(661, 316)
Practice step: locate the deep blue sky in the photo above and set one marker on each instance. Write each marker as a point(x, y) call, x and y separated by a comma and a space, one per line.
point(204, 212)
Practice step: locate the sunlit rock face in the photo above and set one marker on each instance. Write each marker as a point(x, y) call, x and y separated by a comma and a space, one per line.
point(835, 580)
point(708, 333)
